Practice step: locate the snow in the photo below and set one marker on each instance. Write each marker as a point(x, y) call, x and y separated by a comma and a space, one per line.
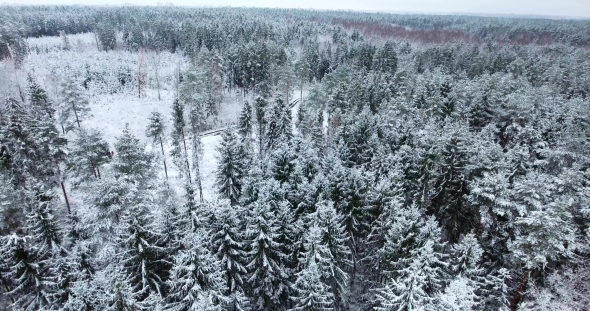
point(109, 112)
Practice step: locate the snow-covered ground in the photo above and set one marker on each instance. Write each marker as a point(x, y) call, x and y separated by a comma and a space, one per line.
point(109, 113)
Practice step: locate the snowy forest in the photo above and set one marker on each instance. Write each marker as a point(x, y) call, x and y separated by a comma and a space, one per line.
point(175, 158)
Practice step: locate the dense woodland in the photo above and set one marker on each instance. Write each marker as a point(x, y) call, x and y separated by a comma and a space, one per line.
point(434, 163)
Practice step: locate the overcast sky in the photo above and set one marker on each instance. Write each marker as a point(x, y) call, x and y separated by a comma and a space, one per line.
point(573, 8)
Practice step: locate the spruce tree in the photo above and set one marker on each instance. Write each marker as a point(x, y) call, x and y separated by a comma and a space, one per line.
point(335, 239)
point(179, 150)
point(87, 154)
point(72, 106)
point(412, 262)
point(268, 279)
point(279, 125)
point(386, 59)
point(28, 278)
point(143, 260)
point(198, 123)
point(450, 199)
point(18, 146)
point(311, 293)
point(132, 161)
point(230, 170)
point(245, 123)
point(156, 130)
point(38, 98)
point(196, 280)
point(230, 246)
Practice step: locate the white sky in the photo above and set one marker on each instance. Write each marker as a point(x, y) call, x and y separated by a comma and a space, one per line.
point(573, 8)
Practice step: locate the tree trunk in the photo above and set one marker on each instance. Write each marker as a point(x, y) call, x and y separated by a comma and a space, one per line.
point(76, 113)
point(518, 294)
point(188, 167)
point(301, 94)
point(63, 188)
point(164, 157)
point(198, 176)
point(96, 40)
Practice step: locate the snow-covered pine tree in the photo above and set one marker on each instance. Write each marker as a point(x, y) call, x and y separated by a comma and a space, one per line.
point(386, 59)
point(87, 154)
point(109, 198)
point(24, 277)
point(282, 165)
point(120, 295)
point(245, 123)
point(132, 162)
point(231, 168)
point(467, 289)
point(267, 284)
point(335, 238)
point(415, 285)
point(179, 151)
point(196, 280)
point(459, 295)
point(156, 130)
point(28, 259)
point(38, 98)
point(43, 225)
point(18, 145)
point(545, 229)
point(449, 201)
point(72, 105)
point(228, 241)
point(286, 81)
point(280, 129)
point(170, 222)
point(466, 259)
point(310, 290)
point(144, 262)
point(412, 261)
point(260, 107)
point(198, 123)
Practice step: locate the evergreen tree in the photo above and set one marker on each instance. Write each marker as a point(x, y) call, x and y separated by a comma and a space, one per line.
point(38, 98)
point(42, 223)
point(267, 282)
point(386, 59)
point(72, 107)
point(198, 123)
point(336, 239)
point(143, 260)
point(18, 146)
point(120, 295)
point(260, 107)
point(310, 291)
point(412, 261)
point(450, 199)
point(279, 128)
point(230, 170)
point(228, 242)
point(109, 198)
point(132, 161)
point(415, 284)
point(196, 281)
point(106, 35)
point(179, 150)
point(28, 288)
point(156, 131)
point(88, 153)
point(245, 123)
